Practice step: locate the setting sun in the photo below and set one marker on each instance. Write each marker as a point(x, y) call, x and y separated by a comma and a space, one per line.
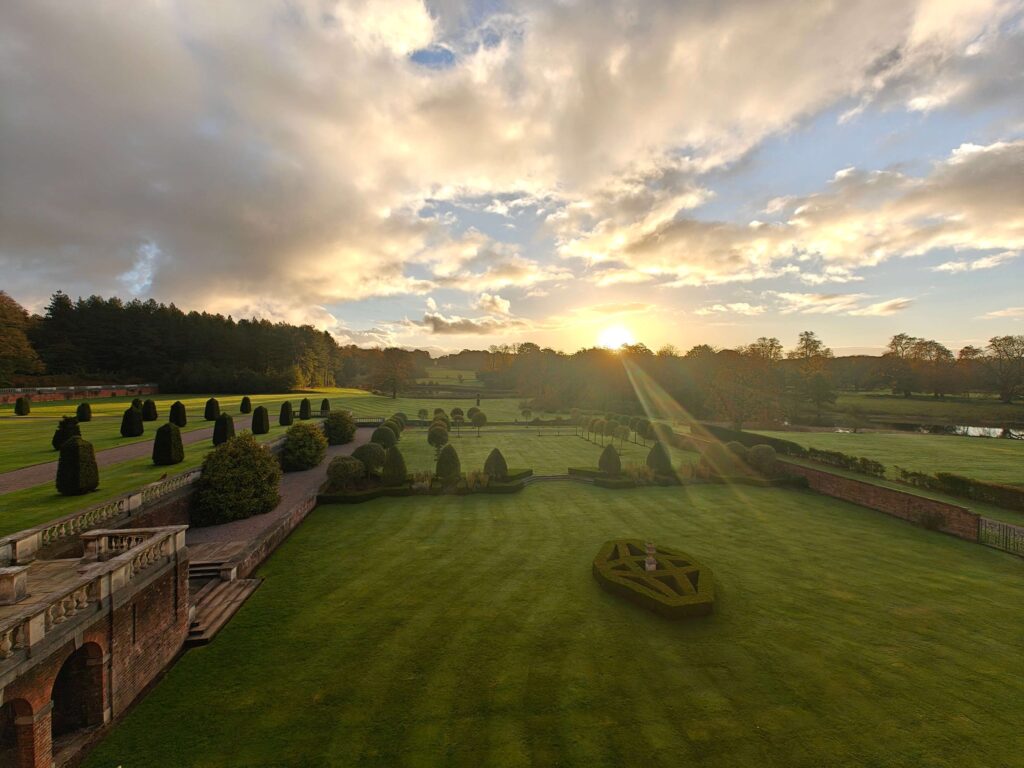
point(615, 336)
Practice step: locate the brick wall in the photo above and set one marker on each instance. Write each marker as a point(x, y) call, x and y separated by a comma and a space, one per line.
point(955, 520)
point(85, 394)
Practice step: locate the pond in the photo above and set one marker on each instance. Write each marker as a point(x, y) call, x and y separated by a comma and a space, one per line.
point(962, 430)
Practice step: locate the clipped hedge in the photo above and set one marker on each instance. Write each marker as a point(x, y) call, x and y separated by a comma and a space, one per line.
point(615, 483)
point(260, 420)
point(83, 413)
point(384, 436)
point(394, 472)
point(149, 411)
point(495, 465)
point(67, 428)
point(1005, 496)
point(343, 472)
point(846, 461)
point(304, 447)
point(77, 472)
point(131, 423)
point(749, 439)
point(223, 429)
point(305, 409)
point(240, 478)
point(286, 415)
point(22, 406)
point(167, 446)
point(246, 405)
point(371, 455)
point(449, 467)
point(340, 427)
point(212, 409)
point(178, 416)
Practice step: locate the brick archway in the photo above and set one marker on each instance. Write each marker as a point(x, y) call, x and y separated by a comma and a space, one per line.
point(22, 744)
point(77, 694)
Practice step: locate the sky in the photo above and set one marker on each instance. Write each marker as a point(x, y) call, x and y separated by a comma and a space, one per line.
point(449, 175)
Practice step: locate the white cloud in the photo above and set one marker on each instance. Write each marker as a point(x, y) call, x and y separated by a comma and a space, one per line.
point(884, 308)
point(493, 304)
point(1012, 312)
point(971, 265)
point(737, 308)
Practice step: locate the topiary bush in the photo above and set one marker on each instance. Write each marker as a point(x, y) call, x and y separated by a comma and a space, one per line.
point(287, 415)
point(437, 436)
point(67, 428)
point(22, 406)
point(167, 446)
point(344, 472)
point(223, 429)
point(422, 414)
point(473, 411)
point(495, 465)
point(77, 472)
point(339, 427)
point(178, 416)
point(149, 412)
point(610, 463)
point(83, 413)
point(305, 410)
point(763, 459)
point(212, 410)
point(678, 587)
point(137, 403)
point(325, 406)
point(401, 418)
point(304, 447)
point(372, 455)
point(245, 406)
point(384, 436)
point(479, 420)
point(449, 468)
point(458, 413)
point(658, 460)
point(260, 420)
point(395, 427)
point(131, 423)
point(240, 479)
point(394, 473)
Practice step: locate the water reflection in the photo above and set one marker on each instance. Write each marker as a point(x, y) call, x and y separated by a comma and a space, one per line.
point(963, 430)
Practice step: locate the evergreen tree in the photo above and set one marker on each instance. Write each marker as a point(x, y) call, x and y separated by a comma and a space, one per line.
point(178, 416)
point(77, 472)
point(246, 405)
point(167, 446)
point(286, 416)
point(223, 428)
point(260, 420)
point(83, 413)
point(149, 412)
point(66, 429)
point(394, 473)
point(131, 423)
point(212, 410)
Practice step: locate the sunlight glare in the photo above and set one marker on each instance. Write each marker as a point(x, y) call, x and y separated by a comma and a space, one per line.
point(615, 336)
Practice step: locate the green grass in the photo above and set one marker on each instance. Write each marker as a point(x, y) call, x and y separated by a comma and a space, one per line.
point(994, 460)
point(25, 440)
point(469, 632)
point(40, 504)
point(449, 377)
point(976, 410)
point(522, 449)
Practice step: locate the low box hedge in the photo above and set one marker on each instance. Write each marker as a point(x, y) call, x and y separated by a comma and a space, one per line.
point(617, 483)
point(518, 474)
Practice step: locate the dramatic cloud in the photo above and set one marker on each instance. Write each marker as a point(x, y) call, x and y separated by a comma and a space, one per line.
point(435, 322)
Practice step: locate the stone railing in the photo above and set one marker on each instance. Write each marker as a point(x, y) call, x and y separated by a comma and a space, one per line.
point(89, 587)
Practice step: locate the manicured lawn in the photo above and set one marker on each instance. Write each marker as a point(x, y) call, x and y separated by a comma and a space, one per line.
point(469, 632)
point(40, 504)
point(995, 460)
point(551, 454)
point(976, 410)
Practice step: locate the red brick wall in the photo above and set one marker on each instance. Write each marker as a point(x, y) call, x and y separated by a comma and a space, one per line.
point(42, 397)
point(956, 521)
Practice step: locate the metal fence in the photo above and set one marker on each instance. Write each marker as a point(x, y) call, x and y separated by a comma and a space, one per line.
point(1000, 535)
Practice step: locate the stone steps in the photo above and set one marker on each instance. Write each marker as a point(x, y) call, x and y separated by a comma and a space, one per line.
point(218, 602)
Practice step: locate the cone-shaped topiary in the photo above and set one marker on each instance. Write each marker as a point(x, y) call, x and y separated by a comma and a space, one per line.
point(394, 472)
point(223, 429)
point(240, 479)
point(212, 410)
point(77, 472)
point(449, 468)
point(260, 420)
point(325, 406)
point(22, 407)
point(339, 427)
point(131, 423)
point(304, 447)
point(610, 463)
point(66, 429)
point(384, 436)
point(178, 416)
point(658, 460)
point(372, 455)
point(495, 465)
point(167, 447)
point(83, 413)
point(149, 412)
point(137, 403)
point(245, 406)
point(305, 409)
point(287, 415)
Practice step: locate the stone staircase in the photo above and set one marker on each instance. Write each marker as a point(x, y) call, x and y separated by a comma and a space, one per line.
point(214, 605)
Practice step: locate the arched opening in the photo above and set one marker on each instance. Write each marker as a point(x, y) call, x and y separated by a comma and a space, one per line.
point(11, 732)
point(78, 692)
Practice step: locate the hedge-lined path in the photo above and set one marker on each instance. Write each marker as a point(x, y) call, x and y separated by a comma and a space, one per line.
point(295, 487)
point(37, 474)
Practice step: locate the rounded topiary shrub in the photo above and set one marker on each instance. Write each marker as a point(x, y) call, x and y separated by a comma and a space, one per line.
point(245, 406)
point(287, 415)
point(495, 465)
point(339, 427)
point(384, 436)
point(177, 416)
point(212, 410)
point(131, 423)
point(395, 427)
point(304, 447)
point(343, 472)
point(437, 436)
point(22, 407)
point(77, 472)
point(305, 409)
point(402, 418)
point(223, 429)
point(371, 455)
point(67, 428)
point(397, 421)
point(658, 460)
point(738, 449)
point(438, 412)
point(83, 413)
point(609, 463)
point(458, 413)
point(394, 472)
point(260, 420)
point(167, 446)
point(763, 459)
point(479, 420)
point(240, 479)
point(473, 411)
point(137, 403)
point(149, 412)
point(449, 468)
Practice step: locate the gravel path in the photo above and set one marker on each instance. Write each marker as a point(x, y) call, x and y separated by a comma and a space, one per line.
point(28, 477)
point(295, 486)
